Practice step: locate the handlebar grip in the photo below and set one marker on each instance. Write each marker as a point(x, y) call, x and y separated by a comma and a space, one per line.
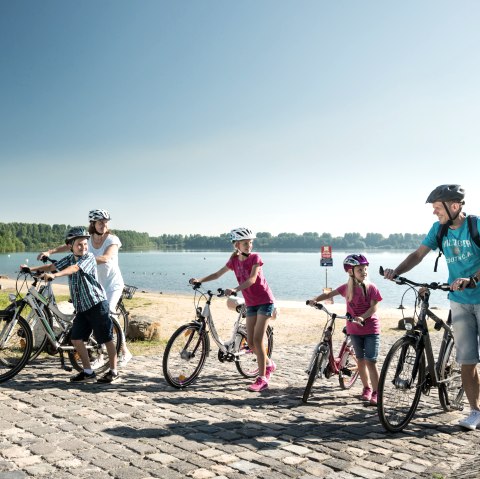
point(381, 271)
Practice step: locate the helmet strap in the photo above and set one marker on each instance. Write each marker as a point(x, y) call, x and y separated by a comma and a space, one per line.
point(245, 254)
point(97, 233)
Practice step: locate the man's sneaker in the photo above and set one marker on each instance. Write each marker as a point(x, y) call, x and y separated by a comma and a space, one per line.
point(271, 368)
point(83, 377)
point(259, 385)
point(366, 394)
point(471, 421)
point(374, 398)
point(109, 377)
point(124, 359)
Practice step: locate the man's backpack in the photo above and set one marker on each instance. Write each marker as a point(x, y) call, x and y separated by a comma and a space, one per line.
point(442, 231)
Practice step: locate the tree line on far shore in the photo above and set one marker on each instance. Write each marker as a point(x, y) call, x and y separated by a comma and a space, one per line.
point(19, 237)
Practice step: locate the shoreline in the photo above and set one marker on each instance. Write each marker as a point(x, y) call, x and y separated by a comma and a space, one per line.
point(296, 323)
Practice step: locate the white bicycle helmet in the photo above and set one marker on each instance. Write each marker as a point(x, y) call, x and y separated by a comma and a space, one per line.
point(239, 234)
point(96, 215)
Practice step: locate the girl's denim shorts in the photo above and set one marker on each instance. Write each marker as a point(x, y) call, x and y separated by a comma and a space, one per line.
point(366, 347)
point(261, 310)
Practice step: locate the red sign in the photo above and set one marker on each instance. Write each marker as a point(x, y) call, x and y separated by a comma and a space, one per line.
point(326, 252)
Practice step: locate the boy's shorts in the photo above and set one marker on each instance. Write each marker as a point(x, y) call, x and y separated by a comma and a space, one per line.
point(96, 319)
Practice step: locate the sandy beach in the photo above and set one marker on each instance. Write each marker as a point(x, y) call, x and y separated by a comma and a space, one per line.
point(296, 322)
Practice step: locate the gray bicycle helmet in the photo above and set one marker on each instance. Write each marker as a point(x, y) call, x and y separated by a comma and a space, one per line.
point(74, 233)
point(96, 215)
point(446, 193)
point(239, 234)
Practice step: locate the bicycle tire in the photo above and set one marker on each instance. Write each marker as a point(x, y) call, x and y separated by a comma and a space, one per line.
point(348, 374)
point(246, 363)
point(399, 393)
point(318, 364)
point(450, 393)
point(123, 317)
point(185, 355)
point(40, 338)
point(16, 351)
point(95, 350)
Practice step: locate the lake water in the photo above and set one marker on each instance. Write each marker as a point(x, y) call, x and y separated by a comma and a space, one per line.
point(292, 276)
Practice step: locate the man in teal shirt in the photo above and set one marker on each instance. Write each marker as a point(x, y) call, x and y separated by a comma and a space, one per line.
point(463, 261)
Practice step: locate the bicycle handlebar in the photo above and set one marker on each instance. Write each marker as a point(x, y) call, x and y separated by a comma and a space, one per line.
point(348, 316)
point(221, 292)
point(402, 280)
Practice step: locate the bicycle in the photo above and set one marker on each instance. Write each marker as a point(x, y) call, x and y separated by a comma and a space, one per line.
point(410, 368)
point(189, 346)
point(323, 361)
point(16, 338)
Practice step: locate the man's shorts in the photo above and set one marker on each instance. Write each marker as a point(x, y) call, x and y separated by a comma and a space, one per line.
point(466, 328)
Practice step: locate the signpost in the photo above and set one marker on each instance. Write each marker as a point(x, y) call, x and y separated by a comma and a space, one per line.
point(326, 260)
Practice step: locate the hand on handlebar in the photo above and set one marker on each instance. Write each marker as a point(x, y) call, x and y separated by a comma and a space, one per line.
point(388, 273)
point(230, 292)
point(462, 283)
point(25, 269)
point(48, 276)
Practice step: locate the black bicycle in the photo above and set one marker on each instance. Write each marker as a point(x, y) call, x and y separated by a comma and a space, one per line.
point(410, 368)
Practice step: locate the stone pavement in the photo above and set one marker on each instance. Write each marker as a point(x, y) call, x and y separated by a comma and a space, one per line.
point(141, 428)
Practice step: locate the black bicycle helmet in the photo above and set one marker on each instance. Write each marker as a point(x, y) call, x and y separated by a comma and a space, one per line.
point(446, 193)
point(74, 233)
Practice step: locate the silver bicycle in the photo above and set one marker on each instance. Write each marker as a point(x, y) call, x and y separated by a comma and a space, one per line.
point(189, 346)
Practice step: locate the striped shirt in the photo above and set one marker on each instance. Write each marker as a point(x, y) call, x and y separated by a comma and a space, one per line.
point(85, 290)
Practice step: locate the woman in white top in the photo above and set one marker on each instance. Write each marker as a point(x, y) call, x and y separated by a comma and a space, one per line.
point(104, 246)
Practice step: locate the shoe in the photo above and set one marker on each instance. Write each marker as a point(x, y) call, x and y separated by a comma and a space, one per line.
point(471, 421)
point(109, 377)
point(374, 398)
point(98, 363)
point(259, 385)
point(83, 377)
point(124, 359)
point(366, 394)
point(271, 368)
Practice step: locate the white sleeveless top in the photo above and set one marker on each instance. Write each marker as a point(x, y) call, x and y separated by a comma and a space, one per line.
point(109, 274)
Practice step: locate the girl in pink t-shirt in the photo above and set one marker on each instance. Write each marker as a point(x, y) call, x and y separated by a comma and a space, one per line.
point(362, 299)
point(259, 299)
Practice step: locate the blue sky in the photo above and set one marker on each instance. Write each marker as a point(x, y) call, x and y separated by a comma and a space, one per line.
point(200, 116)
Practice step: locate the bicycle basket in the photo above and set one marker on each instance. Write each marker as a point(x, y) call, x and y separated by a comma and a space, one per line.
point(129, 291)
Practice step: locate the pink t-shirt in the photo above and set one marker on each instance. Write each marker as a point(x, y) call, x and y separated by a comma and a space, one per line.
point(259, 292)
point(358, 306)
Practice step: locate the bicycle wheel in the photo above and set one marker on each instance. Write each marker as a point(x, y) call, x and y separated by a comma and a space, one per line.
point(122, 317)
point(317, 367)
point(39, 335)
point(185, 355)
point(399, 386)
point(246, 363)
point(348, 373)
point(96, 352)
point(450, 392)
point(16, 346)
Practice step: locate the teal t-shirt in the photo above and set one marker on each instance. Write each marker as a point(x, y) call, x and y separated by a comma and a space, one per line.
point(462, 256)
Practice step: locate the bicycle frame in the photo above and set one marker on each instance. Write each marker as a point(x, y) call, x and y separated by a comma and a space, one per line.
point(421, 336)
point(204, 316)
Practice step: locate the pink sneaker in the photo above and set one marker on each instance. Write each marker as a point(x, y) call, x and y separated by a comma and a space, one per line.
point(259, 385)
point(374, 398)
point(271, 368)
point(366, 394)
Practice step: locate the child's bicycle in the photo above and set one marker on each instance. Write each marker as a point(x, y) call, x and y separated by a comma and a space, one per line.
point(323, 361)
point(189, 346)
